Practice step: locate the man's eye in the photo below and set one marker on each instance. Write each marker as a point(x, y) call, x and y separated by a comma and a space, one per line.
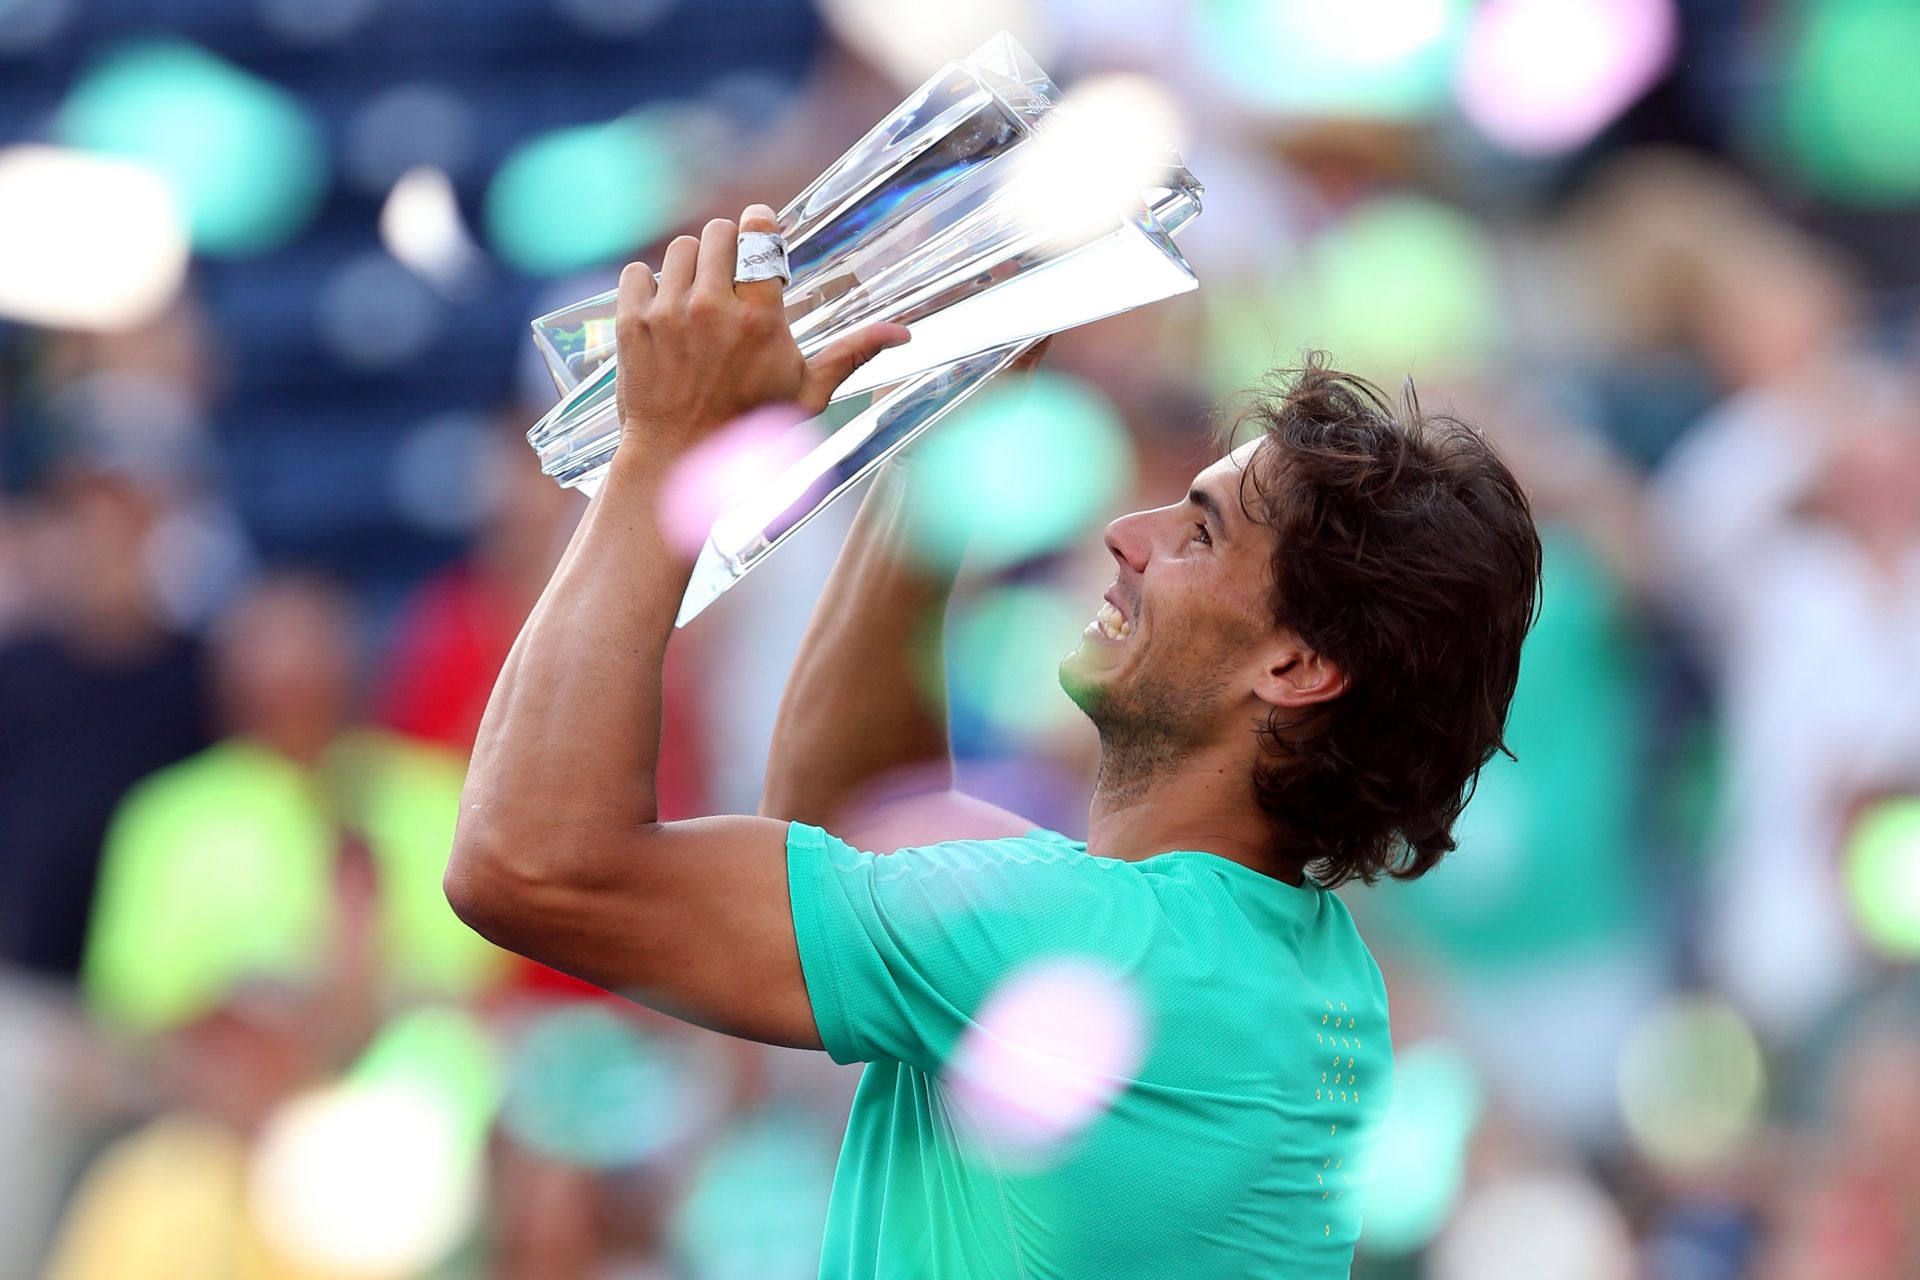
point(1203, 535)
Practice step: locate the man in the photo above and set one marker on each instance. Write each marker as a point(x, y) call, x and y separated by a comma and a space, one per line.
point(101, 692)
point(1298, 672)
point(299, 849)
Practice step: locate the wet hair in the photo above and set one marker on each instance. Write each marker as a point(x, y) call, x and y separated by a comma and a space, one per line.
point(1405, 552)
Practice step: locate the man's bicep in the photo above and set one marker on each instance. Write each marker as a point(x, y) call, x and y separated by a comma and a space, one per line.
point(696, 924)
point(790, 934)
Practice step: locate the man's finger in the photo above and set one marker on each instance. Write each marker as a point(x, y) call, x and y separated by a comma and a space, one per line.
point(636, 292)
point(630, 320)
point(719, 250)
point(676, 272)
point(760, 217)
point(834, 365)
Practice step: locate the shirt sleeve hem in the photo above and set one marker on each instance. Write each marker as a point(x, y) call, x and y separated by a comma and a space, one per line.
point(807, 872)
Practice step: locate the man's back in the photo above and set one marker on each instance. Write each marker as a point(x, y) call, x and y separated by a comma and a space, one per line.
point(1231, 1149)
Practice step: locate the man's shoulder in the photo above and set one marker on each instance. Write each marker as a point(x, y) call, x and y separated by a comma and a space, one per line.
point(1036, 847)
point(1038, 855)
point(1036, 876)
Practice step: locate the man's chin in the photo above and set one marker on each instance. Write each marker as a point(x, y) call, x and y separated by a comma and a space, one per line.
point(1082, 679)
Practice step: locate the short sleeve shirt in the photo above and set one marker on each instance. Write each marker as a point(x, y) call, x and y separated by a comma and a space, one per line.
point(1083, 1066)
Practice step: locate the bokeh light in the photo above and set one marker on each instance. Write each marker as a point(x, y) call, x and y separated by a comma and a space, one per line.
point(908, 40)
point(1523, 1225)
point(1022, 469)
point(1004, 659)
point(382, 1175)
point(365, 1181)
point(1542, 76)
point(315, 21)
point(27, 23)
point(1402, 284)
point(739, 467)
point(1109, 140)
point(440, 1051)
point(588, 1086)
point(85, 242)
point(404, 128)
point(614, 18)
point(1850, 102)
point(777, 1163)
point(1420, 1154)
point(1691, 1082)
point(373, 313)
point(420, 225)
point(444, 473)
point(586, 195)
point(243, 158)
point(1046, 1055)
point(1369, 59)
point(1882, 865)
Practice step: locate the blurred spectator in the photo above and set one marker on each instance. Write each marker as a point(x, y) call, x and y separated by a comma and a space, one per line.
point(136, 403)
point(172, 1198)
point(13, 568)
point(1680, 252)
point(1851, 1205)
point(300, 848)
point(1791, 522)
point(456, 628)
point(99, 691)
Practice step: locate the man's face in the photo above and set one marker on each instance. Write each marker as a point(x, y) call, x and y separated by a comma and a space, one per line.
point(1173, 652)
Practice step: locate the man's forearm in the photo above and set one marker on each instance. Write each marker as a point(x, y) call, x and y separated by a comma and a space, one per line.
point(563, 779)
point(569, 746)
point(867, 693)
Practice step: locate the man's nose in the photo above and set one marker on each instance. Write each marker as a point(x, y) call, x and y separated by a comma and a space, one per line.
point(1126, 539)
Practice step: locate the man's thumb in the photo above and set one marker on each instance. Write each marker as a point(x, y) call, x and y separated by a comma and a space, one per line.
point(835, 363)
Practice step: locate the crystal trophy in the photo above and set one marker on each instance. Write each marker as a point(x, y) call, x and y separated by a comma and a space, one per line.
point(939, 219)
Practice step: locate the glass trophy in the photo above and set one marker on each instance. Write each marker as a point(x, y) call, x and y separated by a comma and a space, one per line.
point(937, 219)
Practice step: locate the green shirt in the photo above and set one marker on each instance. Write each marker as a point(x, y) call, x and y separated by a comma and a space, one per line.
point(1233, 1148)
point(219, 870)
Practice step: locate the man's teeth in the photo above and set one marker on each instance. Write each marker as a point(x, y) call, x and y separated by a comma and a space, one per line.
point(1111, 624)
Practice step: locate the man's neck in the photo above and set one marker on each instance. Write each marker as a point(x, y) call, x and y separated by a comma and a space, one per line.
point(1202, 803)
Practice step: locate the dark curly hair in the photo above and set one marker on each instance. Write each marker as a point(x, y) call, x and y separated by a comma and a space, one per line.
point(1406, 553)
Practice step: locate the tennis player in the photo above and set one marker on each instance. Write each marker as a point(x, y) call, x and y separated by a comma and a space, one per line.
point(1303, 662)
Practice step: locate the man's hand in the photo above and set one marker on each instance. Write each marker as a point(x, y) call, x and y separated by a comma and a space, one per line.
point(697, 350)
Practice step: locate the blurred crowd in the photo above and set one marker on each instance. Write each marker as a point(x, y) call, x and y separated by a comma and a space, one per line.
point(1658, 1015)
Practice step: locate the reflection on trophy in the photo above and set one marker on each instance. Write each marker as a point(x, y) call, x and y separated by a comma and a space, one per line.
point(981, 215)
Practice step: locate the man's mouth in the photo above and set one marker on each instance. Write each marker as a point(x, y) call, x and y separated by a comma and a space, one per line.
point(1110, 623)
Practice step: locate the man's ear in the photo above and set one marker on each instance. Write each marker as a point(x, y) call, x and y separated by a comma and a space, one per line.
point(1297, 675)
